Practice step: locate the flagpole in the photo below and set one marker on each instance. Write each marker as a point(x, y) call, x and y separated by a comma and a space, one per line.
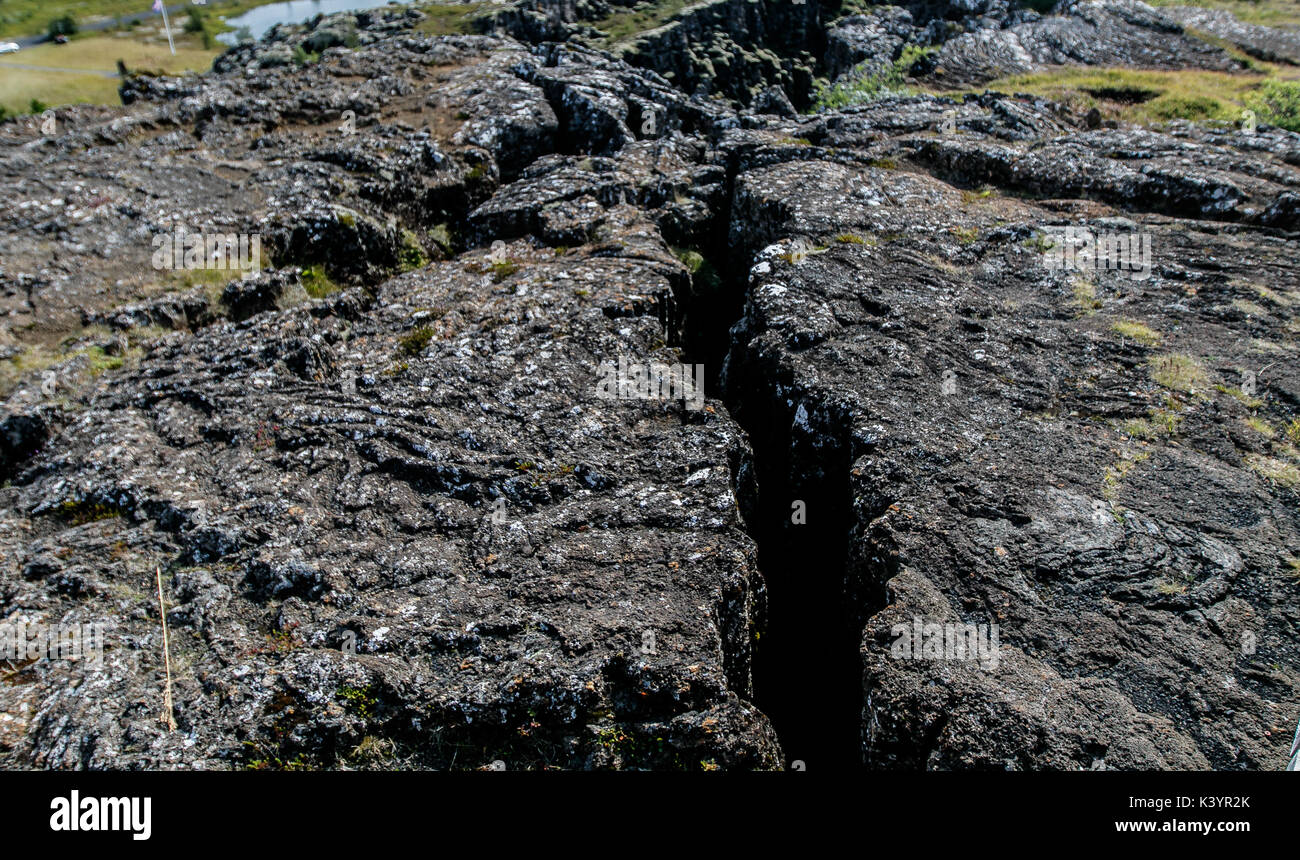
point(168, 28)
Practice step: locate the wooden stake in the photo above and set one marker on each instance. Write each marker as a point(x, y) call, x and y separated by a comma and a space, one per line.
point(168, 714)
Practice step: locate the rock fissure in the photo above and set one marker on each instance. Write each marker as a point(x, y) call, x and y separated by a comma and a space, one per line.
point(402, 526)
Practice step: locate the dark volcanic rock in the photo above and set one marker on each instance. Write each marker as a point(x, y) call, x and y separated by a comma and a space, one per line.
point(733, 47)
point(350, 499)
point(1087, 32)
point(987, 427)
point(398, 526)
point(875, 40)
point(1270, 44)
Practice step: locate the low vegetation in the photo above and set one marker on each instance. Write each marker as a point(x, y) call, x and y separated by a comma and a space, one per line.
point(1179, 372)
point(864, 89)
point(414, 343)
point(1277, 103)
point(448, 19)
point(97, 55)
point(317, 283)
point(1274, 13)
point(627, 23)
point(1144, 96)
point(1136, 331)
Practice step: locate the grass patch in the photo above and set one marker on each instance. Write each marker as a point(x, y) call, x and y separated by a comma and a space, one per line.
point(865, 89)
point(448, 20)
point(1085, 297)
point(78, 512)
point(1237, 394)
point(1178, 372)
point(440, 235)
point(303, 57)
point(411, 255)
point(318, 284)
point(1274, 470)
point(30, 360)
point(1275, 13)
point(33, 17)
point(1140, 96)
point(692, 260)
point(1039, 243)
point(1277, 103)
point(98, 361)
point(704, 275)
point(1115, 475)
point(361, 702)
point(975, 196)
point(1153, 428)
point(965, 235)
point(19, 87)
point(502, 269)
point(101, 53)
point(1161, 422)
point(1136, 331)
point(623, 25)
point(1259, 425)
point(414, 343)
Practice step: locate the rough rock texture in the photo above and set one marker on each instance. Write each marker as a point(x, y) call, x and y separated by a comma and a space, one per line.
point(1270, 44)
point(1087, 32)
point(734, 47)
point(398, 527)
point(418, 471)
point(868, 43)
point(1121, 633)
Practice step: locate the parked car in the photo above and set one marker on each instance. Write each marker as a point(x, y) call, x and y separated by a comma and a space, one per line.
point(9, 47)
point(60, 39)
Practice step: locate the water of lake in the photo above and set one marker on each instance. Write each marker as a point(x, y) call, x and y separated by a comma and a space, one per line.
point(261, 19)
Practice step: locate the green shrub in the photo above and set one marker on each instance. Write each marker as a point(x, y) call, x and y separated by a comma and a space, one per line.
point(1185, 107)
point(1277, 103)
point(411, 255)
point(302, 57)
point(863, 90)
point(317, 283)
point(65, 26)
point(502, 269)
point(414, 343)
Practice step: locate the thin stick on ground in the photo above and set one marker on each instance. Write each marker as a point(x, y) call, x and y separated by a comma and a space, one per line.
point(168, 714)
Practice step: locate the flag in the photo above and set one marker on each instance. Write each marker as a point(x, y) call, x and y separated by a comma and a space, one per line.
point(157, 5)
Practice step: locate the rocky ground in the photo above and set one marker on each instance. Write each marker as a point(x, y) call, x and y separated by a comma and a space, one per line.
point(396, 525)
